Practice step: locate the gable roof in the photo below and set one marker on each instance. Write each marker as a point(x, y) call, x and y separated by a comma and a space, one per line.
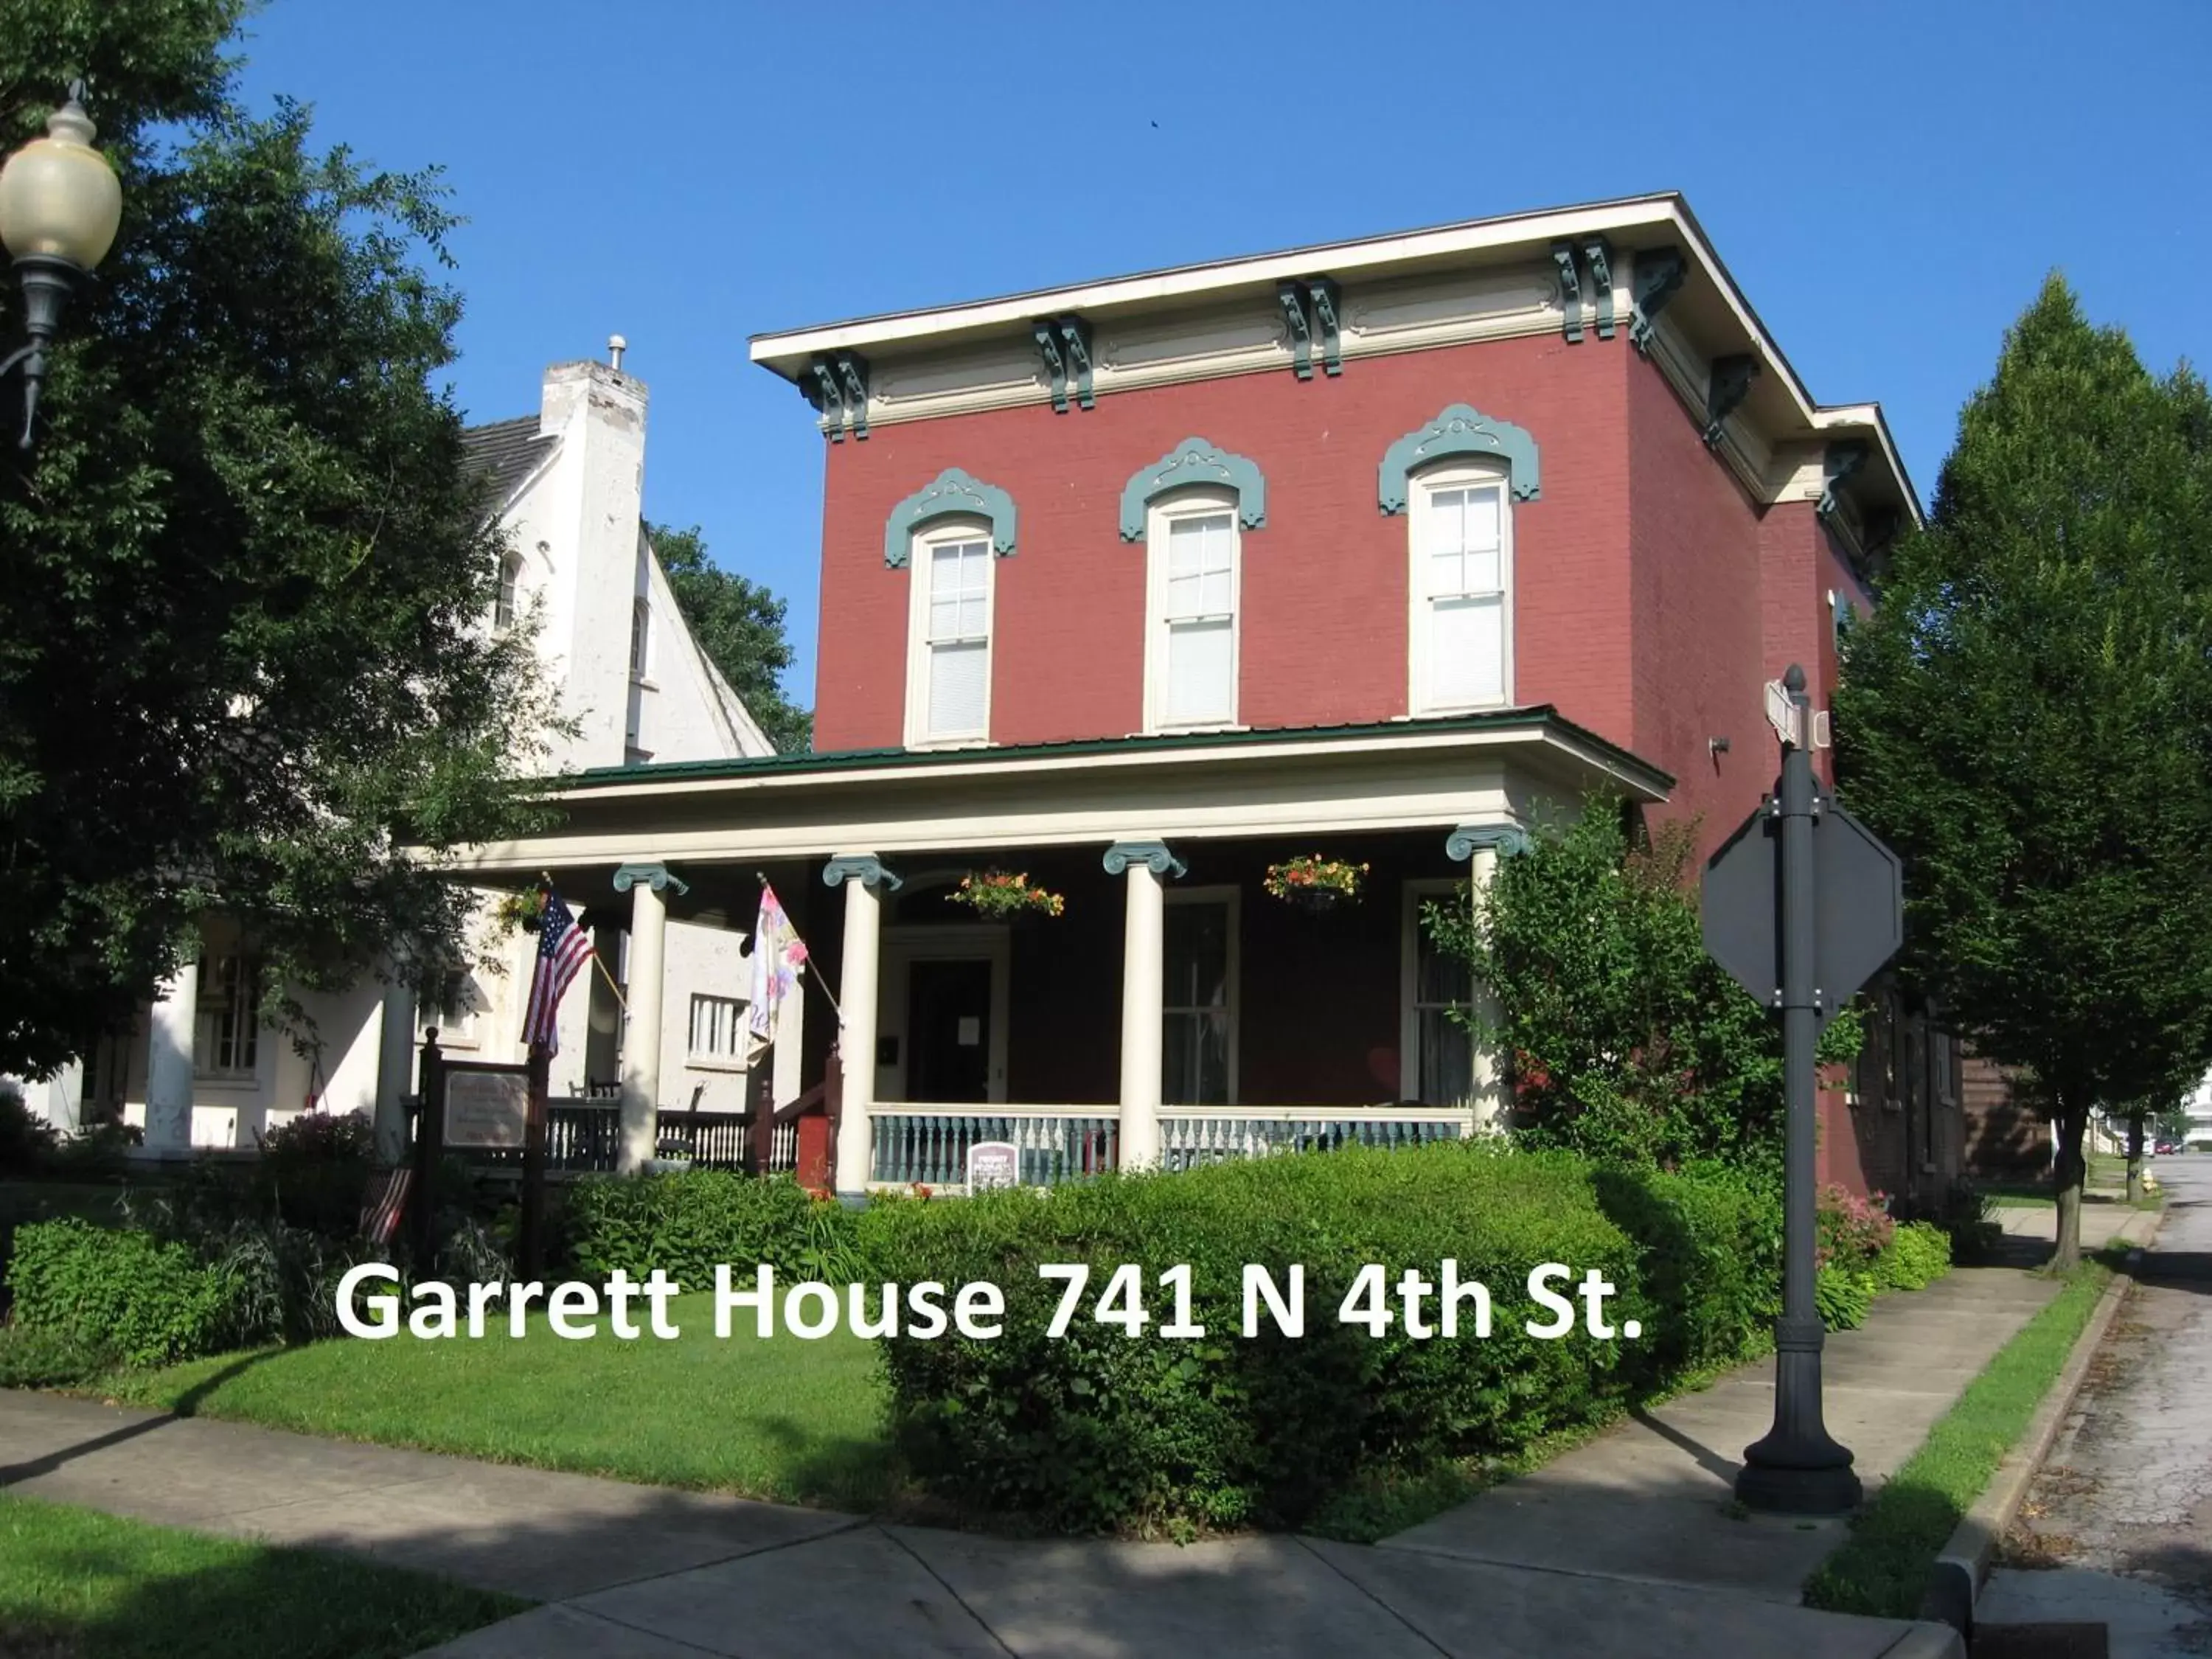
point(507, 453)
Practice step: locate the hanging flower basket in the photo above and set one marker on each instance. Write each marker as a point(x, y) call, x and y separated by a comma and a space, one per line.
point(523, 910)
point(1005, 895)
point(1316, 884)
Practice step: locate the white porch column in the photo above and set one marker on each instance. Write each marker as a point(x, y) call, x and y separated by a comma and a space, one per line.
point(1144, 989)
point(1481, 845)
point(862, 876)
point(645, 883)
point(395, 1068)
point(169, 1062)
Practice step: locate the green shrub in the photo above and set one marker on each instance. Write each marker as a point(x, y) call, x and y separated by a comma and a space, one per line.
point(32, 1357)
point(313, 1173)
point(687, 1221)
point(148, 1301)
point(1917, 1254)
point(1098, 1431)
point(27, 1141)
point(1845, 1295)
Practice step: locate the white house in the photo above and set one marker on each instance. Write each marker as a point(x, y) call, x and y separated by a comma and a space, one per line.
point(196, 1069)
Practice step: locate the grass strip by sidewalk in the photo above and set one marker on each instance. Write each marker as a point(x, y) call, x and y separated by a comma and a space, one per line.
point(1882, 1568)
point(787, 1420)
point(78, 1585)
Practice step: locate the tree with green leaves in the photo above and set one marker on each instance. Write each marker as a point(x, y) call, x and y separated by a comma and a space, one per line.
point(1626, 1041)
point(740, 626)
point(245, 658)
point(2026, 718)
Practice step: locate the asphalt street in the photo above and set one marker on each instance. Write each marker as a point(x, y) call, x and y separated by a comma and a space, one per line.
point(2118, 1526)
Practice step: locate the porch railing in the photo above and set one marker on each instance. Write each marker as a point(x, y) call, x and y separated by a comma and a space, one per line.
point(927, 1146)
point(1191, 1135)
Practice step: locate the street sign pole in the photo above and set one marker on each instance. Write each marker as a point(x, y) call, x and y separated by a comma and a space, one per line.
point(1797, 1468)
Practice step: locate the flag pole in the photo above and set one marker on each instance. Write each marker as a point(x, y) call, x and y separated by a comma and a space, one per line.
point(546, 885)
point(608, 975)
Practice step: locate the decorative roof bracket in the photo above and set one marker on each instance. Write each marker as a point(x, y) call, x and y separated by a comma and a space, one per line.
point(1836, 466)
point(1570, 289)
point(1075, 340)
point(1064, 343)
point(1056, 365)
point(1731, 381)
point(1310, 315)
point(839, 392)
point(1659, 273)
point(1597, 254)
point(1291, 296)
point(1323, 291)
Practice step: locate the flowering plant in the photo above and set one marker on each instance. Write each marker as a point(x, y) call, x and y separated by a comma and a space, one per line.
point(1851, 1230)
point(1004, 893)
point(1296, 877)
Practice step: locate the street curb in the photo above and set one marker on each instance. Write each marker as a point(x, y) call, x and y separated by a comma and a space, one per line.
point(1955, 1581)
point(1927, 1640)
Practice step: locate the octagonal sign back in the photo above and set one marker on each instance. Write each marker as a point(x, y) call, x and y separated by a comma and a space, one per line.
point(1858, 906)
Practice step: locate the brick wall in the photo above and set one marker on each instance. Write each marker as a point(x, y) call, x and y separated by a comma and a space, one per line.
point(1695, 544)
point(1324, 587)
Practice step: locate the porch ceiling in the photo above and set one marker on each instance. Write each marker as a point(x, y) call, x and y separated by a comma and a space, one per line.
point(1403, 774)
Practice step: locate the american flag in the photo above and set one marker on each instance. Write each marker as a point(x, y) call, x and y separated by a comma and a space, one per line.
point(387, 1197)
point(563, 948)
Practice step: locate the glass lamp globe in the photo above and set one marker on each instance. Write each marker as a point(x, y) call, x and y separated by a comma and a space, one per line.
point(58, 197)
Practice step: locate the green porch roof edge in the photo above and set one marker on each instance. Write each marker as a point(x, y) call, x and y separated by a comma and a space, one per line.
point(1539, 717)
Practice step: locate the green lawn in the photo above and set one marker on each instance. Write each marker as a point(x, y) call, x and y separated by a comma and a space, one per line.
point(1882, 1568)
point(76, 1585)
point(784, 1419)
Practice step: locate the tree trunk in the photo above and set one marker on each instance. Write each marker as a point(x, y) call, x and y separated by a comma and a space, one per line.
point(2135, 1159)
point(2073, 1121)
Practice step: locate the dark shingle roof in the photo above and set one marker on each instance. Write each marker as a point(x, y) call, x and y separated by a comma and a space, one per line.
point(507, 452)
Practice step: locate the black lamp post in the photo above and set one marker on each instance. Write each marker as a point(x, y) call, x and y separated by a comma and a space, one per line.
point(60, 205)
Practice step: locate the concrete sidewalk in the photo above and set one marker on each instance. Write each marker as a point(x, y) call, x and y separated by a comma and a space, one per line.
point(1625, 1547)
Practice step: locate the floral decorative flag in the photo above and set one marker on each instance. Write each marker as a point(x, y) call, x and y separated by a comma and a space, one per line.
point(777, 956)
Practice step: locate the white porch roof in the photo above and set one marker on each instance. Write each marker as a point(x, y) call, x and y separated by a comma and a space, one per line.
point(1398, 775)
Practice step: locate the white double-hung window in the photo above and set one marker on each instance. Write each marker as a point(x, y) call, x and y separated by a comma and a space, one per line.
point(1461, 631)
point(948, 654)
point(1191, 659)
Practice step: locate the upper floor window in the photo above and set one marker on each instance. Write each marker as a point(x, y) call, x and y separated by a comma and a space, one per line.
point(948, 649)
point(640, 635)
point(510, 583)
point(1460, 629)
point(1190, 658)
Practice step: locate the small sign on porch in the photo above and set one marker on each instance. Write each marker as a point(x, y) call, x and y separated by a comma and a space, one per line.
point(994, 1163)
point(487, 1109)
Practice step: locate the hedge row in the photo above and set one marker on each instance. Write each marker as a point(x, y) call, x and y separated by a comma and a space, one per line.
point(1098, 1430)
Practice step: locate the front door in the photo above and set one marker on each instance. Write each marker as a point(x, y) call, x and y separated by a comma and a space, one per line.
point(948, 1026)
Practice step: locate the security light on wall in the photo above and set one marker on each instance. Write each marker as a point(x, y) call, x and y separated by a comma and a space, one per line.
point(60, 206)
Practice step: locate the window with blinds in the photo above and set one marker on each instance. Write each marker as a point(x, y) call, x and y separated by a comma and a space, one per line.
point(957, 636)
point(1459, 626)
point(718, 1028)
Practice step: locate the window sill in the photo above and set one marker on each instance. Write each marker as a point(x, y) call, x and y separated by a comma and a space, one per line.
point(1447, 711)
point(1200, 729)
point(715, 1063)
point(934, 745)
point(231, 1082)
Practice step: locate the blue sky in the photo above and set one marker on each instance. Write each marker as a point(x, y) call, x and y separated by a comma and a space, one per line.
point(1889, 182)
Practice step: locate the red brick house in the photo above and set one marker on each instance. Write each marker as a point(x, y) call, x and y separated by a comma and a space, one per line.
point(1377, 550)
